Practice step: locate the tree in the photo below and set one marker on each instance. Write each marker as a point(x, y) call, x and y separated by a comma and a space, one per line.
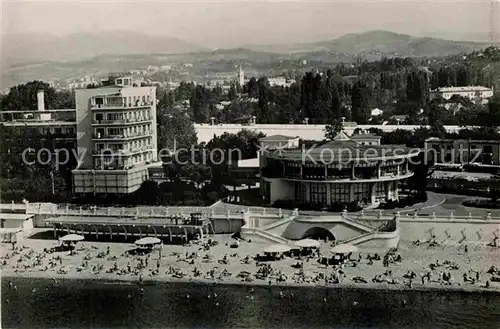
point(253, 88)
point(199, 102)
point(175, 131)
point(421, 172)
point(233, 94)
point(494, 111)
point(63, 100)
point(263, 115)
point(417, 88)
point(24, 97)
point(359, 103)
point(333, 129)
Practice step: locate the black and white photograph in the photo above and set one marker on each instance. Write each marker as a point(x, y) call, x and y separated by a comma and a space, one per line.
point(246, 164)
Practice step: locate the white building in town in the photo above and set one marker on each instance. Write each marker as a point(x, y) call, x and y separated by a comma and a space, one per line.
point(280, 81)
point(471, 92)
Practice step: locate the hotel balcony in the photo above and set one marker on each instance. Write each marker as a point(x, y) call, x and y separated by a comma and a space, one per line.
point(121, 152)
point(113, 105)
point(341, 176)
point(122, 121)
point(129, 136)
point(61, 136)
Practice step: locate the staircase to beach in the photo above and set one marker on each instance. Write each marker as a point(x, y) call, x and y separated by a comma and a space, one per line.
point(357, 224)
point(278, 223)
point(270, 236)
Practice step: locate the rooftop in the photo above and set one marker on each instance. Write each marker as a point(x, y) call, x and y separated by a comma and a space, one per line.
point(450, 140)
point(343, 148)
point(465, 88)
point(276, 138)
point(365, 136)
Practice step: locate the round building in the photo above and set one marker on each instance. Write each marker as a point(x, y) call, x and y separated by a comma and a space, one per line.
point(345, 170)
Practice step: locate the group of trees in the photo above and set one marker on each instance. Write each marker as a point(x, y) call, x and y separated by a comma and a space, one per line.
point(23, 97)
point(400, 86)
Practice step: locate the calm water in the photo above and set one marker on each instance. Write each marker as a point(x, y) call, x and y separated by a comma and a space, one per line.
point(83, 304)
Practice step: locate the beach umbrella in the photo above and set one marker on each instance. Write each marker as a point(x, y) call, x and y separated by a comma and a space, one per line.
point(72, 238)
point(277, 248)
point(344, 248)
point(147, 241)
point(307, 243)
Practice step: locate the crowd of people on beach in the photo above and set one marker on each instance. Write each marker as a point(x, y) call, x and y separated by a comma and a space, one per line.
point(308, 266)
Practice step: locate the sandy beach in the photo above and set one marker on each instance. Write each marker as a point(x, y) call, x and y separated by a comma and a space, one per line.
point(220, 264)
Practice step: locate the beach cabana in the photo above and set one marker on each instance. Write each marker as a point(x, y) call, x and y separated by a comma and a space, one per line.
point(71, 238)
point(276, 249)
point(344, 248)
point(147, 242)
point(68, 241)
point(307, 243)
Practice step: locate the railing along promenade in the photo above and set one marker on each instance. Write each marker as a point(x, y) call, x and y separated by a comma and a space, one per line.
point(222, 212)
point(136, 212)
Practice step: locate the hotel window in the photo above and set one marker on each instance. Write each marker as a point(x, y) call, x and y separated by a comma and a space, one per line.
point(313, 171)
point(362, 191)
point(300, 192)
point(114, 131)
point(292, 170)
point(339, 193)
point(380, 189)
point(318, 193)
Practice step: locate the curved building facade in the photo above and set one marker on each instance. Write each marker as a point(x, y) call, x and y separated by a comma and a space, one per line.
point(345, 170)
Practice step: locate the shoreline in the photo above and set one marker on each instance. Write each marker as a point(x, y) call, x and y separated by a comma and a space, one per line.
point(107, 279)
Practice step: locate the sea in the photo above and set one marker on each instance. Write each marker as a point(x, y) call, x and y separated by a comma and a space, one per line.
point(41, 303)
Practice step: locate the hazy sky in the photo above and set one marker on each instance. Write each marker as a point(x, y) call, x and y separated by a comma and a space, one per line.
point(229, 24)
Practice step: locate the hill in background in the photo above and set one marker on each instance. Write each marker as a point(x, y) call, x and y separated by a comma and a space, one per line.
point(40, 56)
point(381, 42)
point(32, 48)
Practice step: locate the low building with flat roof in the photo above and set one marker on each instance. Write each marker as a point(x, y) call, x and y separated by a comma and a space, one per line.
point(462, 151)
point(471, 92)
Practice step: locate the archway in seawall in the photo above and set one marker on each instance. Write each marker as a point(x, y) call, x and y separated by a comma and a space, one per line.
point(318, 233)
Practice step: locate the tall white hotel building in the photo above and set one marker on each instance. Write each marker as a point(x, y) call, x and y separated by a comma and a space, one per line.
point(116, 137)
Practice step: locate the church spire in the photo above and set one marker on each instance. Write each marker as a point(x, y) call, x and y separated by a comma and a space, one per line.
point(242, 77)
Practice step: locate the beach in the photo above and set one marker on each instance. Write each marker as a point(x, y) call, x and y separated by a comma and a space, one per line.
point(221, 264)
point(95, 288)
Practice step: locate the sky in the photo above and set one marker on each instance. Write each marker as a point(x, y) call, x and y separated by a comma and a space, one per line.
point(223, 24)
